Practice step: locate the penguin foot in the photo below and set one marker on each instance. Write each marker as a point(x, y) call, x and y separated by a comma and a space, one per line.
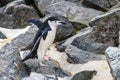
point(42, 64)
point(46, 58)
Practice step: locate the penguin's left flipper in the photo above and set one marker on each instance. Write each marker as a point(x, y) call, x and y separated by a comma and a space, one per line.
point(37, 22)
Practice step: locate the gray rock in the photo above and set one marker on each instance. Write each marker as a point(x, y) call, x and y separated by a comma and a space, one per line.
point(1, 10)
point(9, 69)
point(46, 2)
point(113, 55)
point(87, 43)
point(84, 75)
point(77, 56)
point(102, 5)
point(73, 12)
point(51, 67)
point(10, 52)
point(20, 12)
point(64, 31)
point(43, 3)
point(107, 29)
point(15, 15)
point(9, 8)
point(2, 36)
point(15, 71)
point(7, 21)
point(26, 39)
point(44, 8)
point(37, 76)
point(85, 40)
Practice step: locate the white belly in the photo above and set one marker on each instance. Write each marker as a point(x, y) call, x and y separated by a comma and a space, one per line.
point(44, 44)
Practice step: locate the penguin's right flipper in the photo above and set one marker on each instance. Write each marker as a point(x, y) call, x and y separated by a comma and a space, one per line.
point(37, 22)
point(33, 52)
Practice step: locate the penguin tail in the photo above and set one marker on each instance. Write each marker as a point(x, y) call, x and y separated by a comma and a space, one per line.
point(28, 57)
point(23, 60)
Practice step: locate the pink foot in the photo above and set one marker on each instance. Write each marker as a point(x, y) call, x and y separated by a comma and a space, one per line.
point(46, 58)
point(42, 64)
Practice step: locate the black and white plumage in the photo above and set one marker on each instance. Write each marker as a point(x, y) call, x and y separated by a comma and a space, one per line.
point(44, 37)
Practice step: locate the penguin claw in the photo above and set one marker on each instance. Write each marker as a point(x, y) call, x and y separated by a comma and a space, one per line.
point(42, 64)
point(46, 58)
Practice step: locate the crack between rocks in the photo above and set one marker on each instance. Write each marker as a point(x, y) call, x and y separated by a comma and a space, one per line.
point(116, 42)
point(109, 3)
point(91, 5)
point(32, 2)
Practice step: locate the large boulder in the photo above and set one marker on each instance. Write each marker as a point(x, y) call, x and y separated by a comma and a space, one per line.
point(25, 39)
point(107, 27)
point(41, 4)
point(51, 67)
point(79, 56)
point(84, 75)
point(14, 15)
point(85, 40)
point(9, 55)
point(73, 12)
point(64, 31)
point(7, 20)
point(113, 54)
point(22, 14)
point(48, 7)
point(103, 5)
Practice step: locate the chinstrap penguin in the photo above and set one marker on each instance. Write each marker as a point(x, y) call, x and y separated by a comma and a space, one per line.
point(43, 38)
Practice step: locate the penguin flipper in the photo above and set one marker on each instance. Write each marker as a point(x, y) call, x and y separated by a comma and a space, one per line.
point(33, 52)
point(46, 33)
point(37, 22)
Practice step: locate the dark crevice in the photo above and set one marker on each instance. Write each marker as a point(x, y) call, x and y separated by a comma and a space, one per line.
point(116, 39)
point(109, 3)
point(32, 2)
point(2, 3)
point(91, 5)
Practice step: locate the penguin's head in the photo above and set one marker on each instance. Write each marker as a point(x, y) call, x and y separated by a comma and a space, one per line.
point(54, 22)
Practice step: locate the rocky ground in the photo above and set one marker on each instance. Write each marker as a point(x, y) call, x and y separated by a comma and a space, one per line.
point(86, 48)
